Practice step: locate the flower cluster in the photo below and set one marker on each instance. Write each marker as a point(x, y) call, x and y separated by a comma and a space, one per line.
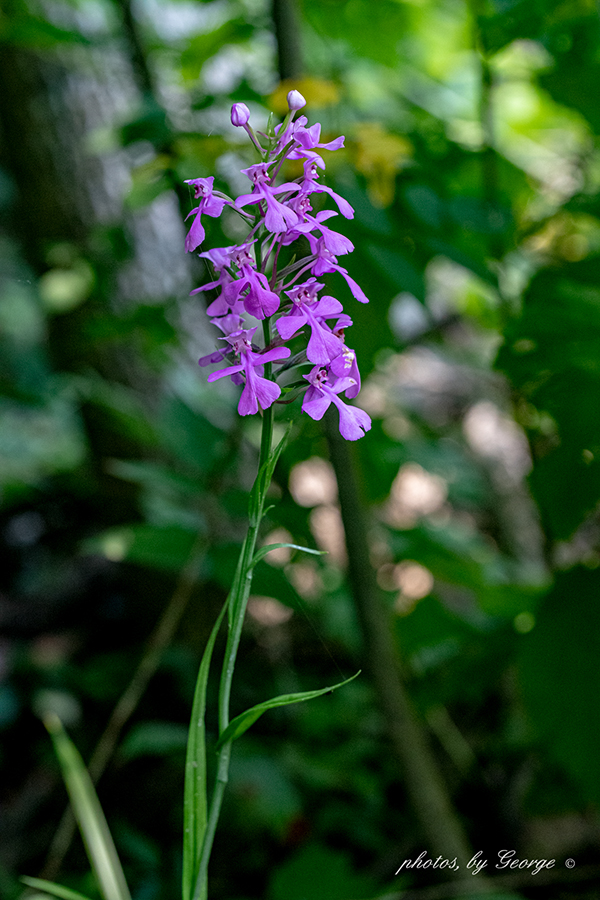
point(263, 279)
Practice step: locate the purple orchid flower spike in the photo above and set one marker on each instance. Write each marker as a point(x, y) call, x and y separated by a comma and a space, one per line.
point(278, 216)
point(322, 392)
point(209, 205)
point(255, 279)
point(258, 391)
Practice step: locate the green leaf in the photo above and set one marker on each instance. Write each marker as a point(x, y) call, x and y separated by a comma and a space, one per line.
point(242, 723)
point(260, 554)
point(98, 841)
point(57, 890)
point(194, 794)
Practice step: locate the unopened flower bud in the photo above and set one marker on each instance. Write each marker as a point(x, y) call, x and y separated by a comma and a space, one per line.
point(239, 114)
point(295, 100)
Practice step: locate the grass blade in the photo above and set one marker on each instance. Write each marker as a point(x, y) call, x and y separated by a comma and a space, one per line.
point(194, 795)
point(56, 890)
point(243, 722)
point(97, 838)
point(260, 554)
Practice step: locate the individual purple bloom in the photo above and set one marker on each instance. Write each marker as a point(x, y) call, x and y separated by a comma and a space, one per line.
point(219, 306)
point(309, 141)
point(240, 115)
point(354, 422)
point(227, 300)
point(310, 185)
point(336, 243)
point(342, 323)
point(228, 324)
point(278, 216)
point(323, 345)
point(220, 257)
point(326, 262)
point(295, 100)
point(284, 136)
point(260, 301)
point(209, 205)
point(344, 365)
point(258, 391)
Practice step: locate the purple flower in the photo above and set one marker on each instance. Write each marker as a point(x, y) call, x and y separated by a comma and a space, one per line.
point(209, 205)
point(310, 185)
point(282, 214)
point(258, 391)
point(260, 301)
point(295, 100)
point(344, 365)
point(221, 258)
point(309, 141)
point(228, 324)
point(240, 115)
point(327, 262)
point(338, 244)
point(278, 216)
point(323, 345)
point(354, 422)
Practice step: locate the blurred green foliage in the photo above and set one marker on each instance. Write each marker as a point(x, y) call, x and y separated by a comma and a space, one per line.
point(472, 160)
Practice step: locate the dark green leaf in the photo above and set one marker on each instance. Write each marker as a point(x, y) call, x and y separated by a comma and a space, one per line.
point(242, 723)
point(57, 890)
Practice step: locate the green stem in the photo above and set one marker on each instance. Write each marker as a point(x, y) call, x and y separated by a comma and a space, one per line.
point(237, 611)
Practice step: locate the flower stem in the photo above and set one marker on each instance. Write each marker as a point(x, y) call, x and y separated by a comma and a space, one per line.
point(240, 593)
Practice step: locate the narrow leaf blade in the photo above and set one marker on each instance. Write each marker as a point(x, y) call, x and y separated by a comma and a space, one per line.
point(241, 723)
point(260, 554)
point(56, 890)
point(194, 795)
point(94, 829)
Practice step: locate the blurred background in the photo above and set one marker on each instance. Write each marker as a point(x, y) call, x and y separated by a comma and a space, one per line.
point(466, 581)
